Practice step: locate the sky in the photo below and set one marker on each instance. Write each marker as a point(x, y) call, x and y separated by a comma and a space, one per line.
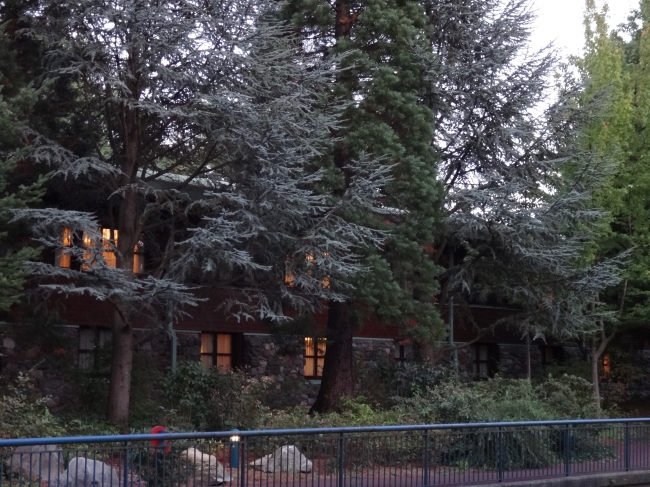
point(561, 21)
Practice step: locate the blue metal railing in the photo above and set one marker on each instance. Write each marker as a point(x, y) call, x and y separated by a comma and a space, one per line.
point(375, 456)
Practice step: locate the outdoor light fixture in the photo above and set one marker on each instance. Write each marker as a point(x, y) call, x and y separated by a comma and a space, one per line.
point(234, 449)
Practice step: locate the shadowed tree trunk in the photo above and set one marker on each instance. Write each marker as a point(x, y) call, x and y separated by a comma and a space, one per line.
point(121, 365)
point(338, 379)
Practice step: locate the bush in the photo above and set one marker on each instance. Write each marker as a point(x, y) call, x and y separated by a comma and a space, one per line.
point(498, 399)
point(385, 380)
point(508, 400)
point(22, 415)
point(212, 399)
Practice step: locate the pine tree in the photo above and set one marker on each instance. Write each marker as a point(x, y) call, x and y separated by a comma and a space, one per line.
point(383, 76)
point(200, 132)
point(14, 110)
point(519, 186)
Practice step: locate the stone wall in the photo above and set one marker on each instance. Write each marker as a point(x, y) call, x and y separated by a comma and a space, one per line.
point(513, 362)
point(368, 350)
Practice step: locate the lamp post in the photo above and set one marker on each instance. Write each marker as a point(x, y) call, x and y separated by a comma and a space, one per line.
point(234, 449)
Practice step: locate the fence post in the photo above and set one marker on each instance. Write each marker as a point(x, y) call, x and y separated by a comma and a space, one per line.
point(567, 451)
point(627, 446)
point(500, 453)
point(425, 460)
point(242, 458)
point(126, 464)
point(341, 458)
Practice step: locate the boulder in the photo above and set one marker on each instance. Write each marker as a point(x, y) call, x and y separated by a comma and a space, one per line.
point(37, 462)
point(83, 472)
point(285, 459)
point(207, 469)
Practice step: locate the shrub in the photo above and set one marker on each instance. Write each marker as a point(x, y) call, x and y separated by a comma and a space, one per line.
point(385, 380)
point(212, 399)
point(498, 399)
point(507, 400)
point(22, 415)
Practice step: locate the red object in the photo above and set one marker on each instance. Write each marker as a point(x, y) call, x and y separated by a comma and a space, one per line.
point(159, 443)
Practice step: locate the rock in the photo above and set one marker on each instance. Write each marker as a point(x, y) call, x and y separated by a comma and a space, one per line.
point(38, 462)
point(9, 343)
point(207, 469)
point(285, 459)
point(83, 472)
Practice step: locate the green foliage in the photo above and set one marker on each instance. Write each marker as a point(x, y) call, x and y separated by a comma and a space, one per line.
point(385, 380)
point(22, 415)
point(212, 399)
point(13, 112)
point(382, 79)
point(354, 412)
point(498, 399)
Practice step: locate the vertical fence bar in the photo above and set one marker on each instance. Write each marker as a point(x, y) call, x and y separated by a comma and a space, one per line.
point(126, 464)
point(425, 460)
point(242, 459)
point(500, 453)
point(627, 447)
point(567, 451)
point(341, 458)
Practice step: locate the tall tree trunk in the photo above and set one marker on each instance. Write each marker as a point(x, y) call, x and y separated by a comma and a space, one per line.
point(121, 366)
point(128, 234)
point(338, 380)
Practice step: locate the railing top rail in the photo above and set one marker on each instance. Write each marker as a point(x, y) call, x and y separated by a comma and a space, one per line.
point(304, 431)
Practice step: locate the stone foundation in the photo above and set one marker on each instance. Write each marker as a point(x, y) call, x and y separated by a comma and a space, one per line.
point(50, 357)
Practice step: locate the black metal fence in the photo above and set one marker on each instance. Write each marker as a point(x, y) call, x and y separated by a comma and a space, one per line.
point(391, 456)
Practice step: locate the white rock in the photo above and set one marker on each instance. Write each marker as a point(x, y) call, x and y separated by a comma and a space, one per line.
point(83, 472)
point(207, 469)
point(38, 462)
point(285, 459)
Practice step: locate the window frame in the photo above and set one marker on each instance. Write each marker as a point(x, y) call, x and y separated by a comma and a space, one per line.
point(404, 351)
point(109, 243)
point(101, 337)
point(233, 354)
point(491, 361)
point(320, 348)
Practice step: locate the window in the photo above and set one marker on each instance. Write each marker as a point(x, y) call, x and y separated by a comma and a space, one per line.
point(290, 276)
point(63, 258)
point(138, 258)
point(484, 360)
point(403, 351)
point(607, 364)
point(217, 350)
point(91, 343)
point(551, 355)
point(314, 356)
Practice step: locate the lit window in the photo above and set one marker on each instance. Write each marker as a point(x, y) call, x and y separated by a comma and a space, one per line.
point(91, 342)
point(314, 356)
point(217, 350)
point(290, 277)
point(63, 257)
point(138, 258)
point(109, 242)
point(607, 364)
